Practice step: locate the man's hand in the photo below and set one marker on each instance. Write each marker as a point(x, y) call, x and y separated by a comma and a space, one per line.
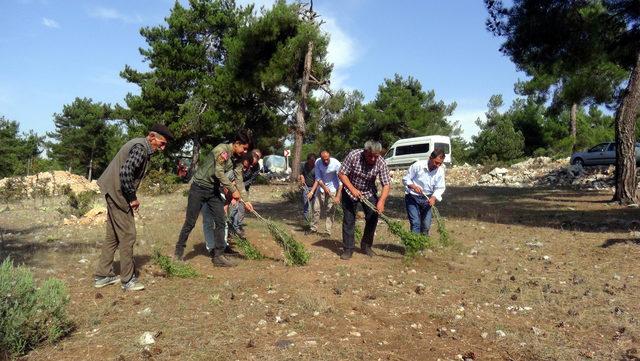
point(380, 206)
point(248, 206)
point(337, 199)
point(235, 195)
point(310, 195)
point(416, 188)
point(356, 193)
point(432, 200)
point(134, 205)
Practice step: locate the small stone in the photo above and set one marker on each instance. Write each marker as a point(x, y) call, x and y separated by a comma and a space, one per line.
point(292, 333)
point(145, 312)
point(99, 295)
point(537, 331)
point(484, 335)
point(500, 333)
point(355, 333)
point(311, 343)
point(147, 338)
point(262, 322)
point(283, 344)
point(251, 343)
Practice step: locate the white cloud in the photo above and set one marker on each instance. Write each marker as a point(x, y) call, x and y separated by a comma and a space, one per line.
point(467, 120)
point(341, 52)
point(113, 14)
point(50, 23)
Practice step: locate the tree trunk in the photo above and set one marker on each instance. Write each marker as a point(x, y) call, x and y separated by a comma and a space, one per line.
point(194, 158)
point(300, 127)
point(574, 122)
point(625, 139)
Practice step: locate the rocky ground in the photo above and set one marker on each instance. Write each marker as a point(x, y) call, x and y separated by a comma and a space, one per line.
point(537, 273)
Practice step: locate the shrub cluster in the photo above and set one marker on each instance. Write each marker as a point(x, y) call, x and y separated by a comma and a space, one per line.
point(29, 314)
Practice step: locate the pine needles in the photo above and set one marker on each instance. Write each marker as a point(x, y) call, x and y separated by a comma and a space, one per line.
point(413, 242)
point(248, 249)
point(294, 252)
point(172, 268)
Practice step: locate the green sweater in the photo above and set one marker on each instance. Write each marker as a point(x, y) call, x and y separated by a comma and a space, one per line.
point(213, 167)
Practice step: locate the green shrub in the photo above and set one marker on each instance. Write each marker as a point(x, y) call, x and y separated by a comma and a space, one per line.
point(80, 203)
point(173, 269)
point(261, 179)
point(30, 315)
point(14, 189)
point(159, 182)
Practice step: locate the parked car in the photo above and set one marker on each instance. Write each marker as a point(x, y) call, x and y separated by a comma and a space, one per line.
point(276, 164)
point(405, 152)
point(601, 154)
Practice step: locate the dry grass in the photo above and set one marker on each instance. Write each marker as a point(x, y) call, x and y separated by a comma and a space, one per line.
point(561, 262)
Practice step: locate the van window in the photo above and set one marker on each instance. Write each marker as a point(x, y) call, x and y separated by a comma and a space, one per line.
point(412, 149)
point(389, 153)
point(443, 146)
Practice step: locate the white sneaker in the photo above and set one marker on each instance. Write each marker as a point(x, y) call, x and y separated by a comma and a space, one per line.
point(100, 282)
point(133, 285)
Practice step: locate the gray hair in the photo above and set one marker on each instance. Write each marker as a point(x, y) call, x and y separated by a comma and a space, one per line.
point(373, 146)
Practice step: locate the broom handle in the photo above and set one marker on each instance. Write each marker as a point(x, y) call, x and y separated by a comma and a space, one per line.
point(373, 208)
point(253, 211)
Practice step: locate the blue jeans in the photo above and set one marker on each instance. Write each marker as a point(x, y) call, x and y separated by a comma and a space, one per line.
point(419, 212)
point(236, 214)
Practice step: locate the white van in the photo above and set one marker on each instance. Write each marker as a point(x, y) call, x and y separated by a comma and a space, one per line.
point(406, 151)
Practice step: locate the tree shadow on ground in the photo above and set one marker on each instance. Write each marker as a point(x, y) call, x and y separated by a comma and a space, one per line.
point(616, 241)
point(22, 248)
point(535, 207)
point(330, 244)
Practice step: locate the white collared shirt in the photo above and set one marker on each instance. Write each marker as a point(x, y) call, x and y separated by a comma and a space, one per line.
point(328, 174)
point(431, 182)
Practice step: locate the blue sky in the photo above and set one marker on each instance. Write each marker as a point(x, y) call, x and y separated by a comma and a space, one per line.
point(56, 50)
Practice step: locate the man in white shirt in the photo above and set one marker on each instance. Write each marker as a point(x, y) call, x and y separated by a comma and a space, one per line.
point(424, 185)
point(329, 190)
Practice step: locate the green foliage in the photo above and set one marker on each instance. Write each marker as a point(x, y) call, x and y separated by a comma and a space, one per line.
point(173, 269)
point(83, 137)
point(81, 203)
point(498, 139)
point(157, 182)
point(445, 240)
point(402, 109)
point(412, 242)
point(261, 180)
point(14, 188)
point(294, 252)
point(248, 249)
point(29, 314)
point(19, 152)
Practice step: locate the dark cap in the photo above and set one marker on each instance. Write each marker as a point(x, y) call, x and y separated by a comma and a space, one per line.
point(162, 130)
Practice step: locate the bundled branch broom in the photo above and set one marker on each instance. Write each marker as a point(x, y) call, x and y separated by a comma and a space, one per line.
point(294, 251)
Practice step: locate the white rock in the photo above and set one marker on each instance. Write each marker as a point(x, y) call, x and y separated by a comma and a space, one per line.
point(147, 339)
point(262, 322)
point(500, 333)
point(355, 333)
point(145, 312)
point(292, 333)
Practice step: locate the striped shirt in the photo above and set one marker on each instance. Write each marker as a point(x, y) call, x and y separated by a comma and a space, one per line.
point(362, 175)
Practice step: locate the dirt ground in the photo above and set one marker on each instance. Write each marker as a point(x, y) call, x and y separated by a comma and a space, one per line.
point(535, 274)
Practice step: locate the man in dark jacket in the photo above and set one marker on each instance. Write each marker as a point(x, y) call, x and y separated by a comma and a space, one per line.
point(119, 183)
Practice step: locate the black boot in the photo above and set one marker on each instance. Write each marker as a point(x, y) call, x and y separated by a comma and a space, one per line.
point(219, 260)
